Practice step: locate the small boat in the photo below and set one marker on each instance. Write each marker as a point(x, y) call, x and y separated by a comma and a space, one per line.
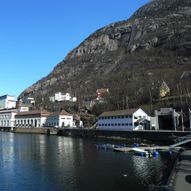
point(140, 152)
point(105, 146)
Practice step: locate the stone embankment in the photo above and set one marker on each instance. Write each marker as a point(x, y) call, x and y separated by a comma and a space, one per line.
point(31, 130)
point(180, 179)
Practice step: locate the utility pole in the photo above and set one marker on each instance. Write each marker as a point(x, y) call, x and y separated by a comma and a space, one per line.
point(182, 120)
point(127, 102)
point(190, 118)
point(151, 100)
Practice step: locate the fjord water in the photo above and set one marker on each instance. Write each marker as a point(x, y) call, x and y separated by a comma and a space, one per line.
point(51, 163)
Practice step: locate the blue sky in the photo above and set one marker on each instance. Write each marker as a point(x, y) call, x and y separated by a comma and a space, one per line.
point(35, 35)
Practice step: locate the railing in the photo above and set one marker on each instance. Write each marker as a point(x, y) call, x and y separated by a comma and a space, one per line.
point(184, 138)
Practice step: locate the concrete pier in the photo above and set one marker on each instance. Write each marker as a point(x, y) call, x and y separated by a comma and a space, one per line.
point(180, 179)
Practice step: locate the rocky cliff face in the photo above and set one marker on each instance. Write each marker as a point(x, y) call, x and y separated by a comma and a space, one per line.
point(131, 57)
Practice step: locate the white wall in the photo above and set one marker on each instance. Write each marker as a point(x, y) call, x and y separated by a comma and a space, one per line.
point(30, 121)
point(115, 123)
point(139, 114)
point(60, 121)
point(121, 122)
point(66, 120)
point(7, 102)
point(7, 118)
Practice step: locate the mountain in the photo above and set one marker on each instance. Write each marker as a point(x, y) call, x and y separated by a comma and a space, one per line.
point(132, 58)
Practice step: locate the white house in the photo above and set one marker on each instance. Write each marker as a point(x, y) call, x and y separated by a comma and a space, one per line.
point(60, 119)
point(27, 100)
point(130, 119)
point(36, 118)
point(62, 97)
point(7, 102)
point(7, 117)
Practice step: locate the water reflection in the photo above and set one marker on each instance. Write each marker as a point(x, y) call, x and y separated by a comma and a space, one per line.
point(39, 162)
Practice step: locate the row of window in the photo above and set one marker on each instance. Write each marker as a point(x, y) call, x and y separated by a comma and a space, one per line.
point(55, 124)
point(52, 124)
point(115, 124)
point(4, 123)
point(116, 117)
point(27, 122)
point(4, 116)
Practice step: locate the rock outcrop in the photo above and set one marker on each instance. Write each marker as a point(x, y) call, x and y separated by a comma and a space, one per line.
point(131, 57)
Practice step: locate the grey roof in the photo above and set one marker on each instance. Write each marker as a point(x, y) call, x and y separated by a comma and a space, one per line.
point(33, 112)
point(63, 112)
point(5, 96)
point(119, 112)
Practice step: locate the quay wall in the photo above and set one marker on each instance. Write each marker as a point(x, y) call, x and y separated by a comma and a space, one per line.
point(30, 130)
point(5, 129)
point(166, 136)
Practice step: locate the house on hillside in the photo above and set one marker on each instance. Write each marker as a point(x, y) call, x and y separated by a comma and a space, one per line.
point(36, 118)
point(101, 93)
point(129, 119)
point(60, 119)
point(62, 97)
point(164, 90)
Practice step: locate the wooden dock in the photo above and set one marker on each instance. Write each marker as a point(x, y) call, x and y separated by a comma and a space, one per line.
point(154, 148)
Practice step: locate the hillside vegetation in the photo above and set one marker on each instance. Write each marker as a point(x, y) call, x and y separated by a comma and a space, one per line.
point(132, 58)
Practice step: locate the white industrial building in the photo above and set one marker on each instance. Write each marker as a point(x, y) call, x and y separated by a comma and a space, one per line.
point(36, 118)
point(60, 119)
point(7, 117)
point(7, 102)
point(130, 119)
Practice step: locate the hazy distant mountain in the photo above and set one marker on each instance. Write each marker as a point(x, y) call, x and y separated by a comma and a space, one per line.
point(132, 58)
